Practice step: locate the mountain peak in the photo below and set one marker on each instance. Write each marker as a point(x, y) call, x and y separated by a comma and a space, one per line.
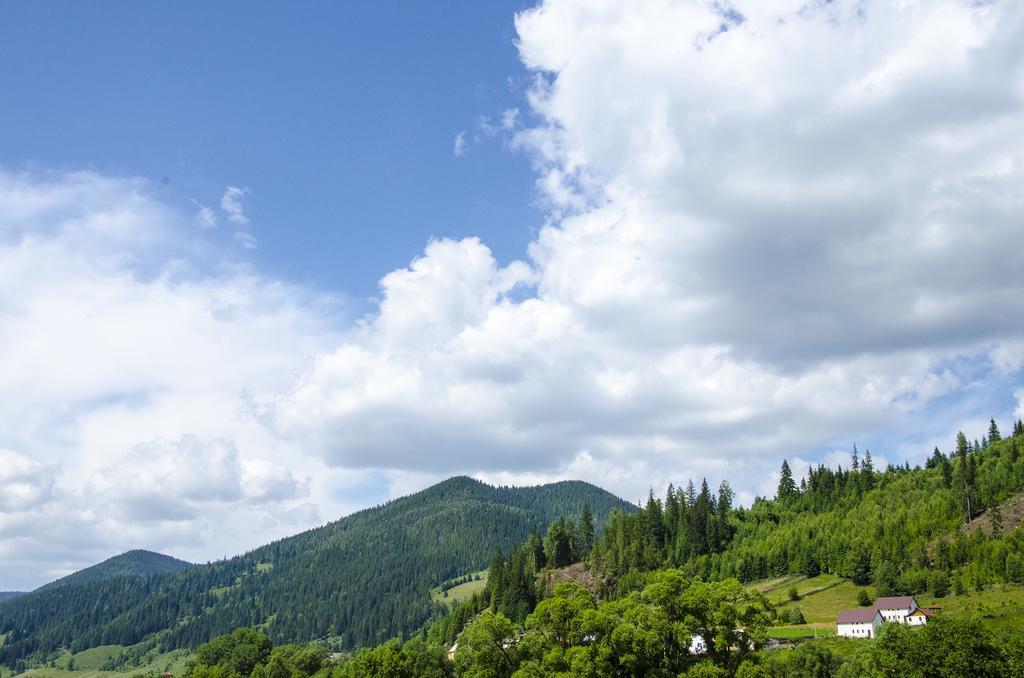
point(134, 563)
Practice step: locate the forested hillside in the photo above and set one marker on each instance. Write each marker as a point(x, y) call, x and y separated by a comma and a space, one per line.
point(897, 529)
point(678, 567)
point(8, 595)
point(360, 580)
point(137, 563)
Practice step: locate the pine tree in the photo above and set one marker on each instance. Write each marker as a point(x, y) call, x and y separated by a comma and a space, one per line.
point(725, 499)
point(691, 494)
point(867, 472)
point(970, 478)
point(535, 545)
point(586, 531)
point(1018, 428)
point(495, 578)
point(993, 432)
point(855, 465)
point(860, 565)
point(705, 512)
point(655, 521)
point(787, 486)
point(963, 448)
point(558, 544)
point(672, 511)
point(997, 519)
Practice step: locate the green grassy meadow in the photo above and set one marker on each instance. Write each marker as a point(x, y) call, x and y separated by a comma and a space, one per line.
point(88, 662)
point(822, 597)
point(457, 594)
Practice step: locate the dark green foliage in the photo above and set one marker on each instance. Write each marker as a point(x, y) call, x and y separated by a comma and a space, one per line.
point(893, 528)
point(860, 564)
point(993, 432)
point(887, 579)
point(234, 655)
point(512, 583)
point(646, 633)
point(360, 580)
point(794, 615)
point(787, 486)
point(136, 563)
point(808, 660)
point(939, 584)
point(863, 599)
point(586, 531)
point(245, 652)
point(413, 659)
point(947, 647)
point(559, 543)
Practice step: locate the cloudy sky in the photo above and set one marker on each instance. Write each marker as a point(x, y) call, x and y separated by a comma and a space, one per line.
point(260, 267)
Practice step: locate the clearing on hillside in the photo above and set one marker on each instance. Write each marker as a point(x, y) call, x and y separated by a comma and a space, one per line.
point(460, 592)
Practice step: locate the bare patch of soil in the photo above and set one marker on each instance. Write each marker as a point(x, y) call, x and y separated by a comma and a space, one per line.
point(1013, 515)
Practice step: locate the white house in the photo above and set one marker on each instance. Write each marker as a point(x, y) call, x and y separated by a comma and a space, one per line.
point(697, 644)
point(896, 608)
point(861, 622)
point(917, 618)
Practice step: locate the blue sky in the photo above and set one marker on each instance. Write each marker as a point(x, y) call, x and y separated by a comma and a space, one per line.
point(332, 253)
point(339, 117)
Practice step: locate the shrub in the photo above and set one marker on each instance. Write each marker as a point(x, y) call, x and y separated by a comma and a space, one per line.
point(939, 584)
point(794, 615)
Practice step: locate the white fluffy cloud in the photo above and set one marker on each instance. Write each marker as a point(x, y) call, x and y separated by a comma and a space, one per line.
point(179, 480)
point(772, 227)
point(24, 483)
point(130, 352)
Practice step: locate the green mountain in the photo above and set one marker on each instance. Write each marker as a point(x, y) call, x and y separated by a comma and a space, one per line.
point(360, 580)
point(137, 563)
point(949, 533)
point(8, 595)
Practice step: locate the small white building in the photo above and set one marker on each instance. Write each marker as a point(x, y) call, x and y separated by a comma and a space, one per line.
point(697, 644)
point(916, 618)
point(861, 622)
point(896, 608)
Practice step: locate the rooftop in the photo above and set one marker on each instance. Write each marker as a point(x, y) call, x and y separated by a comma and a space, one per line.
point(858, 615)
point(894, 602)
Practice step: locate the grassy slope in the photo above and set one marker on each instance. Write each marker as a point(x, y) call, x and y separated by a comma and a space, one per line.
point(87, 665)
point(824, 596)
point(459, 593)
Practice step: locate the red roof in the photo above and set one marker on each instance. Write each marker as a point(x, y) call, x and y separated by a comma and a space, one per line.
point(859, 615)
point(894, 603)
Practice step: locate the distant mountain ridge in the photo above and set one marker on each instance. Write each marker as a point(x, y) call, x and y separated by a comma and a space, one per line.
point(361, 579)
point(135, 563)
point(8, 595)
